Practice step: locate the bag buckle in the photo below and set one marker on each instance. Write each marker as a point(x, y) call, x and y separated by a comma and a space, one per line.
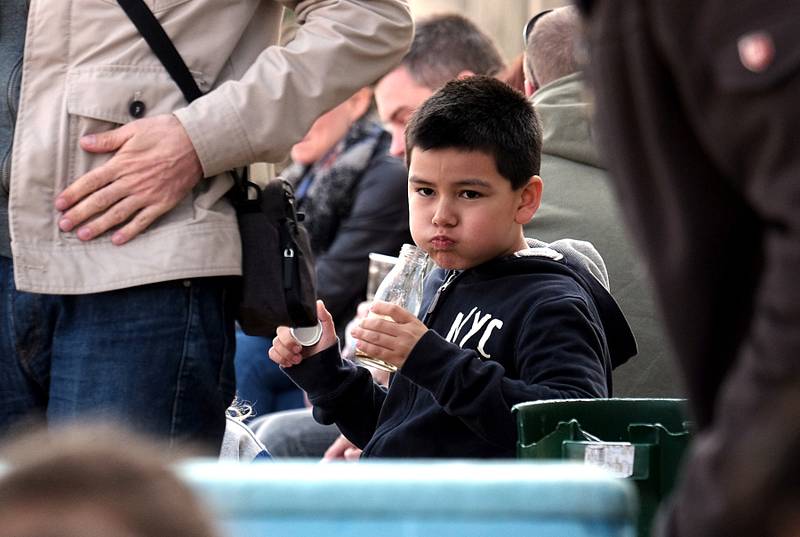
point(288, 267)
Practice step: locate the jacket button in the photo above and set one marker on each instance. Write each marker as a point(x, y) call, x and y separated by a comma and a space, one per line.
point(136, 108)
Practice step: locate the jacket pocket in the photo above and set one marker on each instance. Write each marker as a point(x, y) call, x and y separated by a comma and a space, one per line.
point(104, 98)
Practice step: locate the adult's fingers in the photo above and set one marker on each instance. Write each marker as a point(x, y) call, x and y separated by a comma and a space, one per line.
point(104, 142)
point(86, 185)
point(138, 223)
point(114, 215)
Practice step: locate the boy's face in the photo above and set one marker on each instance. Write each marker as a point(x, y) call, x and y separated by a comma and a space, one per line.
point(462, 211)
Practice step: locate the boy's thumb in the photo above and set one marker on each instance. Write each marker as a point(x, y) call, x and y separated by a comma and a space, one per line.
point(323, 314)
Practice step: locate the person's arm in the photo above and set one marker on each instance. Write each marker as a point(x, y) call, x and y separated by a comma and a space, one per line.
point(341, 46)
point(378, 222)
point(339, 391)
point(558, 354)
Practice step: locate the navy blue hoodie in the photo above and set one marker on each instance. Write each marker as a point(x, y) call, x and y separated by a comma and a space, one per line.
point(536, 325)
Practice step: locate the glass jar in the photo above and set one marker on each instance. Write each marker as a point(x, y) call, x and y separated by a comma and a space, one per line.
point(402, 286)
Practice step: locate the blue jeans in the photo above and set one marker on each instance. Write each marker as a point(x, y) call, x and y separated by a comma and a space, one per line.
point(156, 358)
point(260, 381)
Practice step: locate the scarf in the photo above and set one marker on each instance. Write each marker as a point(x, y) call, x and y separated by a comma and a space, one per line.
point(326, 189)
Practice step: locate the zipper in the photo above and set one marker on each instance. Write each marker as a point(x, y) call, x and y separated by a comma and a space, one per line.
point(449, 280)
point(11, 90)
point(12, 102)
point(5, 171)
point(411, 396)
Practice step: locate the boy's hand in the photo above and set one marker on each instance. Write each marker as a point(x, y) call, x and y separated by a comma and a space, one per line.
point(389, 341)
point(286, 351)
point(349, 347)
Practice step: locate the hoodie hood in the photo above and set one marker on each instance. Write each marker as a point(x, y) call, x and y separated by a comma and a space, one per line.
point(586, 265)
point(582, 262)
point(578, 253)
point(565, 114)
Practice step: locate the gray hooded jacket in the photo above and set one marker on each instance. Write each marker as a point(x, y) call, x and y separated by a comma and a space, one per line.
point(578, 201)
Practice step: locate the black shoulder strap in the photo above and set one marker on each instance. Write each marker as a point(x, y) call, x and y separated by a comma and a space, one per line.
point(162, 46)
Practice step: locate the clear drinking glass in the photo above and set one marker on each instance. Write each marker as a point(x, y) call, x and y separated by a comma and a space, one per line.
point(402, 286)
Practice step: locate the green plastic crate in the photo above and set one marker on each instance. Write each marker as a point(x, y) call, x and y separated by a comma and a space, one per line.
point(642, 440)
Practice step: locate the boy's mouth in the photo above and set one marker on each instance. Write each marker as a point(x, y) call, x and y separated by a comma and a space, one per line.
point(442, 242)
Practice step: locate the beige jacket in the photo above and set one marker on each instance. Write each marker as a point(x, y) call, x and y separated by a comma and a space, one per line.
point(85, 62)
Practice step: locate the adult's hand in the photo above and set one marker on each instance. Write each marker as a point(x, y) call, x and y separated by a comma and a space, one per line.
point(154, 168)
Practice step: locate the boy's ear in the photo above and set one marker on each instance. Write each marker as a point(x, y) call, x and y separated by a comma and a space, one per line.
point(530, 198)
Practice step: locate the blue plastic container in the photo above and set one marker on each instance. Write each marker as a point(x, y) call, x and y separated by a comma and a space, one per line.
point(415, 499)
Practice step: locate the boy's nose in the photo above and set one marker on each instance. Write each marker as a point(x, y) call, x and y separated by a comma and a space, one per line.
point(444, 215)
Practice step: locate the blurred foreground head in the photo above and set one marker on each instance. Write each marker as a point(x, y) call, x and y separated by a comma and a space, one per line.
point(94, 482)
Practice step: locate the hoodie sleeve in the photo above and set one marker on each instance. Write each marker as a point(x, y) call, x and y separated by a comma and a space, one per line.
point(340, 393)
point(559, 354)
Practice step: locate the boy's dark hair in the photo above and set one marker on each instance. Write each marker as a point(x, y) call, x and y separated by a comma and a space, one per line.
point(446, 45)
point(480, 113)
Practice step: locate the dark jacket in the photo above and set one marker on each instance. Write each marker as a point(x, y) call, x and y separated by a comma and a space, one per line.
point(525, 327)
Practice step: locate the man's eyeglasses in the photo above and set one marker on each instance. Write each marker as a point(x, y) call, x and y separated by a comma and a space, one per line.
point(526, 31)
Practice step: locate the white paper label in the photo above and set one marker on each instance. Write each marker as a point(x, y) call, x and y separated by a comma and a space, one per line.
point(616, 457)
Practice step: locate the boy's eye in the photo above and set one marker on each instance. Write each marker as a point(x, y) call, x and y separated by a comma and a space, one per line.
point(425, 191)
point(471, 194)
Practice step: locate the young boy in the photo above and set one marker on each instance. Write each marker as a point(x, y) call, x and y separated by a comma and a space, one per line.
point(504, 319)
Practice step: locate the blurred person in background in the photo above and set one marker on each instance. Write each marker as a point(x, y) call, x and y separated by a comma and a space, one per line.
point(444, 47)
point(578, 200)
